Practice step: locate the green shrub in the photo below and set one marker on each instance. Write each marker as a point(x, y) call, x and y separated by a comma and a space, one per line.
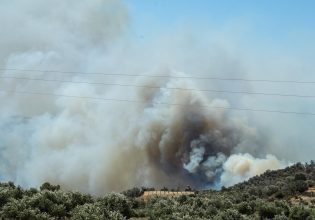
point(54, 203)
point(281, 217)
point(18, 209)
point(77, 198)
point(229, 214)
point(133, 193)
point(116, 202)
point(245, 208)
point(268, 211)
point(94, 211)
point(300, 176)
point(301, 212)
point(48, 186)
point(301, 186)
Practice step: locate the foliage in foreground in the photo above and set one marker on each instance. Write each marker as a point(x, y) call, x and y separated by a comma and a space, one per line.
point(274, 195)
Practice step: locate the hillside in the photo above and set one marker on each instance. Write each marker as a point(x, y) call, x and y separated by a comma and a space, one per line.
point(281, 194)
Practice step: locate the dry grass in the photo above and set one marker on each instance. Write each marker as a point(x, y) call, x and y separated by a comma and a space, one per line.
point(149, 194)
point(311, 190)
point(308, 196)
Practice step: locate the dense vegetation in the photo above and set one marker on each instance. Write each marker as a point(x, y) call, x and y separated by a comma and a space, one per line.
point(272, 195)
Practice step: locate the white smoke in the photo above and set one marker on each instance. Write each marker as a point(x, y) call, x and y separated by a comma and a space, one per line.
point(196, 156)
point(240, 167)
point(96, 146)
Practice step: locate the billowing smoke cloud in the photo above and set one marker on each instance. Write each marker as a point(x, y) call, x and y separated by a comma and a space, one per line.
point(241, 167)
point(189, 141)
point(166, 137)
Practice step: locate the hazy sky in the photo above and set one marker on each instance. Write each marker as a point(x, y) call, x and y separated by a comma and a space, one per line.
point(270, 39)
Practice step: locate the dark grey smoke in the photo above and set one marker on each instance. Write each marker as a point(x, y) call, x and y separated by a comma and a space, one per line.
point(190, 142)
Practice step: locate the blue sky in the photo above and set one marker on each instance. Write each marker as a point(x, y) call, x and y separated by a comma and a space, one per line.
point(281, 22)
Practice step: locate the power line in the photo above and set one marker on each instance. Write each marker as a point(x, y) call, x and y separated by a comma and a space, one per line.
point(161, 76)
point(157, 87)
point(157, 103)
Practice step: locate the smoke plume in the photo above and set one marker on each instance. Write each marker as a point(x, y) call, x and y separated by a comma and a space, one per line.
point(164, 137)
point(240, 167)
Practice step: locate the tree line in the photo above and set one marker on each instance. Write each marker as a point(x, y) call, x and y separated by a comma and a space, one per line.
point(279, 195)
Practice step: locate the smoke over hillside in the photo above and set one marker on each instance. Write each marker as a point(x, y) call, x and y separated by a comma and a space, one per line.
point(166, 137)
